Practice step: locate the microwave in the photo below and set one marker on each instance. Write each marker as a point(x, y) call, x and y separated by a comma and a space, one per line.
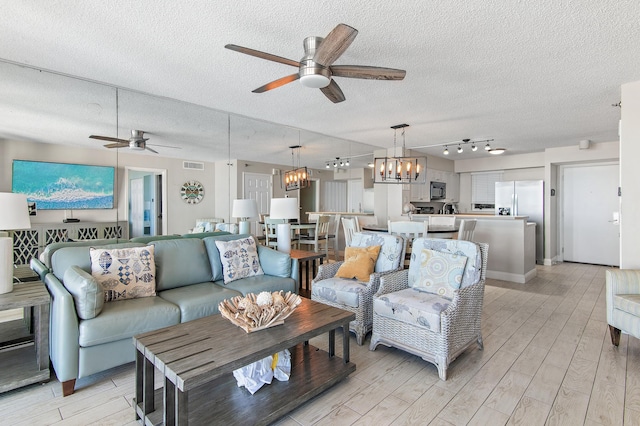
point(438, 191)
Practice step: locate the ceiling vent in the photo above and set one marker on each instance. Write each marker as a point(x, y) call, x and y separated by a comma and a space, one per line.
point(192, 165)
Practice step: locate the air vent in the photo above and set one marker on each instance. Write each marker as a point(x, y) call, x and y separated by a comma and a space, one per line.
point(192, 165)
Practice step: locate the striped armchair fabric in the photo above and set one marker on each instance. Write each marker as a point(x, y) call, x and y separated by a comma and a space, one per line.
point(623, 303)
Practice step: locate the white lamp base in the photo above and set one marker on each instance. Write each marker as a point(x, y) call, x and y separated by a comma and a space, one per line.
point(244, 227)
point(284, 237)
point(6, 265)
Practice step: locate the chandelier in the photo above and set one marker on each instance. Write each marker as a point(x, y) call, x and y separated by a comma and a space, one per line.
point(400, 169)
point(298, 177)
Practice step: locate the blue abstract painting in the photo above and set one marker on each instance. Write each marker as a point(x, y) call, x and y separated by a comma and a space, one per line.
point(61, 186)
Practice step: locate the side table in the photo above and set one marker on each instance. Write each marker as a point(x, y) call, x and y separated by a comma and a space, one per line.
point(308, 260)
point(24, 357)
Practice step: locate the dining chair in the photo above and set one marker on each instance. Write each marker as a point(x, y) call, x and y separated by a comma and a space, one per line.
point(467, 227)
point(320, 235)
point(367, 220)
point(350, 226)
point(410, 231)
point(270, 231)
point(442, 220)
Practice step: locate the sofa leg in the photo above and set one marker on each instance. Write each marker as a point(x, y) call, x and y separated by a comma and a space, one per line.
point(615, 335)
point(68, 387)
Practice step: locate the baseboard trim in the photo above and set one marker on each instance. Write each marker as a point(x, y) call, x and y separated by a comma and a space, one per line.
point(515, 278)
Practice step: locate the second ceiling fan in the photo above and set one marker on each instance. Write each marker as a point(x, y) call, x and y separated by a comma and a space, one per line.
point(316, 68)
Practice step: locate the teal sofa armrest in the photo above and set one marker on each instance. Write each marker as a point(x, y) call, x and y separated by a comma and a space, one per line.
point(39, 268)
point(64, 334)
point(274, 262)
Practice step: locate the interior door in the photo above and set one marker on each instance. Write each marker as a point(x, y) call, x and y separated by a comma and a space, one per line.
point(354, 201)
point(257, 186)
point(136, 211)
point(591, 233)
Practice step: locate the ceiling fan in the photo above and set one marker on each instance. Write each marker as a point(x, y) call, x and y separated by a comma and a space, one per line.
point(137, 142)
point(316, 68)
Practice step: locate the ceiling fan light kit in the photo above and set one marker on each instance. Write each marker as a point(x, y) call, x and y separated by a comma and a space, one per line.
point(316, 70)
point(400, 170)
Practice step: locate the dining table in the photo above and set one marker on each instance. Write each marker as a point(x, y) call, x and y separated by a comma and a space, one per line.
point(434, 231)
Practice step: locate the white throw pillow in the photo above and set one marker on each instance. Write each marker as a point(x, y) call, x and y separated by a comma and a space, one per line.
point(239, 259)
point(127, 273)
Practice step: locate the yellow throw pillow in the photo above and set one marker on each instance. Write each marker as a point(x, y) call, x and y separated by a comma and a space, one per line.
point(359, 262)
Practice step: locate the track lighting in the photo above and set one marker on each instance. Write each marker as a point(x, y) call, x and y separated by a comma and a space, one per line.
point(460, 149)
point(347, 163)
point(446, 151)
point(474, 148)
point(335, 164)
point(487, 147)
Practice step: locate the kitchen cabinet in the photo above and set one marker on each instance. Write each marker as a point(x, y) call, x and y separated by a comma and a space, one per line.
point(453, 186)
point(419, 192)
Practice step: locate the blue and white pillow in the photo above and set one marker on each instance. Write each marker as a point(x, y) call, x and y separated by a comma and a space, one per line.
point(127, 273)
point(440, 273)
point(239, 259)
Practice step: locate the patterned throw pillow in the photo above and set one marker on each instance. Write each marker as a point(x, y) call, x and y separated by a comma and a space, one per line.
point(127, 273)
point(239, 259)
point(359, 262)
point(440, 273)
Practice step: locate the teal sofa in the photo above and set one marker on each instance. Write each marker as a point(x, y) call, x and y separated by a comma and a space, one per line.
point(189, 285)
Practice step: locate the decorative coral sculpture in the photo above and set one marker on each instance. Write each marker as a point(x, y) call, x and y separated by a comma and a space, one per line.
point(253, 313)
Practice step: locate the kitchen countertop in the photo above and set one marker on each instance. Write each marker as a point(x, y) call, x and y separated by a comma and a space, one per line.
point(473, 215)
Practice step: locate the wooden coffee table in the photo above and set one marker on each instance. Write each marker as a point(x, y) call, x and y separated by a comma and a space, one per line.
point(197, 359)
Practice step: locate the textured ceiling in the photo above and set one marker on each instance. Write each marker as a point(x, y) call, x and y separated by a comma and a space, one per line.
point(529, 75)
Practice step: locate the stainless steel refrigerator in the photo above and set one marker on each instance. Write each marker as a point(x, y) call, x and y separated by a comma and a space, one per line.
point(524, 198)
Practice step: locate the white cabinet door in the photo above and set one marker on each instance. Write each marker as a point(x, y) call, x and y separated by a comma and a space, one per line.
point(453, 186)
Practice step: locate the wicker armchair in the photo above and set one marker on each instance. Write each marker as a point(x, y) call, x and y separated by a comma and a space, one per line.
point(435, 325)
point(353, 295)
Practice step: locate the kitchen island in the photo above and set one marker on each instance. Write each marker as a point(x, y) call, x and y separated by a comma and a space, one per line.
point(512, 244)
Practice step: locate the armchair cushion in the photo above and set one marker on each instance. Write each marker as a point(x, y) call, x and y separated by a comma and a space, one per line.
point(412, 306)
point(359, 262)
point(629, 303)
point(391, 255)
point(472, 268)
point(440, 273)
point(342, 291)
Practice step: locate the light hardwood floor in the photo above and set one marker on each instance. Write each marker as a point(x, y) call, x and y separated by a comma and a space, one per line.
point(548, 359)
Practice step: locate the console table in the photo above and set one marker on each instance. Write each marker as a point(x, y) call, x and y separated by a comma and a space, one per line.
point(29, 243)
point(25, 357)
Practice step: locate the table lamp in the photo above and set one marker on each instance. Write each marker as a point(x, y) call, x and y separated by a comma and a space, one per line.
point(284, 208)
point(244, 209)
point(14, 214)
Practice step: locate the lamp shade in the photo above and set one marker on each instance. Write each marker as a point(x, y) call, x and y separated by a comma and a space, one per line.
point(14, 211)
point(244, 208)
point(284, 208)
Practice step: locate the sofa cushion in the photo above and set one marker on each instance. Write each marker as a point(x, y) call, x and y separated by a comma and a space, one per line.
point(214, 254)
point(412, 306)
point(262, 283)
point(124, 319)
point(126, 273)
point(440, 273)
point(198, 300)
point(180, 262)
point(87, 293)
point(239, 259)
point(359, 262)
point(78, 255)
point(339, 290)
point(275, 263)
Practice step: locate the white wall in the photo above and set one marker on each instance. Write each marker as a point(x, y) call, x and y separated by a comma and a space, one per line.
point(181, 217)
point(630, 176)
